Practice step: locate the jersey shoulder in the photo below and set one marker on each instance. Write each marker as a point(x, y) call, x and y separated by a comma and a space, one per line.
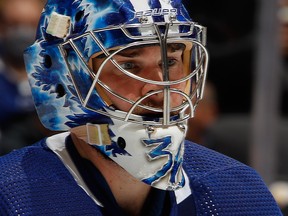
point(33, 179)
point(204, 160)
point(222, 185)
point(29, 159)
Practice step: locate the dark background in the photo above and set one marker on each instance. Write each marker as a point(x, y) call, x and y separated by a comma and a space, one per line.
point(231, 46)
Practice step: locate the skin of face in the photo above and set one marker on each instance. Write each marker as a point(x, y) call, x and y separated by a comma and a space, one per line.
point(145, 62)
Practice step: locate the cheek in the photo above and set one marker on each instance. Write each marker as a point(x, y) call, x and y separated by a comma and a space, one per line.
point(126, 88)
point(181, 86)
point(178, 99)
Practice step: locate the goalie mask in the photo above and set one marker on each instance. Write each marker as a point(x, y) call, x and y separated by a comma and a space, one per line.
point(132, 71)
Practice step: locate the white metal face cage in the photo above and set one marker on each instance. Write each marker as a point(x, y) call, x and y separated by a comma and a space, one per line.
point(193, 36)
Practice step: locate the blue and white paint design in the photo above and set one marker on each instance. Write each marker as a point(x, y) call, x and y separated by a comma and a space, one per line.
point(155, 159)
point(53, 86)
point(60, 81)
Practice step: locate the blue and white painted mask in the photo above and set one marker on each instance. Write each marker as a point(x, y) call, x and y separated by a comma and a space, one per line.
point(69, 91)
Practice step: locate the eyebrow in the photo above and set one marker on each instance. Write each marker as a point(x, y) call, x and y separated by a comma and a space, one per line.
point(129, 53)
point(173, 47)
point(133, 52)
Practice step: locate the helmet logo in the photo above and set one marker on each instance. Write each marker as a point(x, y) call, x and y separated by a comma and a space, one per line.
point(156, 12)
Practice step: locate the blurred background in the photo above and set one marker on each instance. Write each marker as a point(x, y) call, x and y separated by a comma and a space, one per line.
point(245, 107)
point(244, 110)
point(19, 124)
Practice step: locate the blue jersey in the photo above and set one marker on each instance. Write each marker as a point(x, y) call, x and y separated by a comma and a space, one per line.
point(36, 181)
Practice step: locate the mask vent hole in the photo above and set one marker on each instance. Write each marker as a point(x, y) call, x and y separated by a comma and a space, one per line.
point(121, 143)
point(79, 15)
point(47, 61)
point(60, 91)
